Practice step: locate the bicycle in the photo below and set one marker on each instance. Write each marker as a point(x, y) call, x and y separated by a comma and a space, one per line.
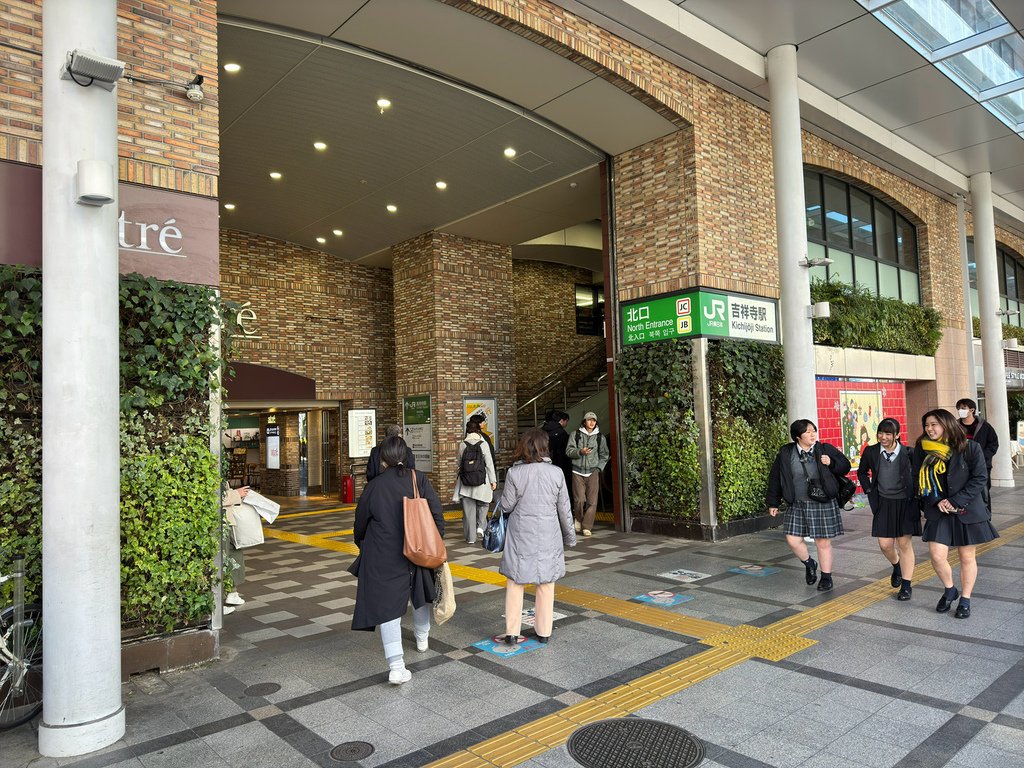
point(21, 655)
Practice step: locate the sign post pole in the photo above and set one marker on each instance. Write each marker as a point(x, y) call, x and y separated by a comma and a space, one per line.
point(705, 442)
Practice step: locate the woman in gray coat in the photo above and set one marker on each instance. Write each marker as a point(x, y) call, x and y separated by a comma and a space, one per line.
point(539, 526)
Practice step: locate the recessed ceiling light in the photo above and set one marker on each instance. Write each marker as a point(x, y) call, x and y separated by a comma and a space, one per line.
point(232, 67)
point(338, 233)
point(229, 206)
point(392, 208)
point(383, 104)
point(319, 146)
point(441, 184)
point(321, 240)
point(510, 152)
point(275, 175)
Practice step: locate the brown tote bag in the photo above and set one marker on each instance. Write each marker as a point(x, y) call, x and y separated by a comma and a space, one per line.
point(423, 544)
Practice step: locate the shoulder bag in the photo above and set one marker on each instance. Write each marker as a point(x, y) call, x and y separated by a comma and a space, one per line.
point(423, 544)
point(494, 534)
point(444, 605)
point(815, 490)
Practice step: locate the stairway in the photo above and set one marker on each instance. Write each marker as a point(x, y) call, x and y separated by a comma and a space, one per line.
point(592, 385)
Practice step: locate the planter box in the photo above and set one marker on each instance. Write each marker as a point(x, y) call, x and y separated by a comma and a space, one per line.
point(687, 529)
point(183, 648)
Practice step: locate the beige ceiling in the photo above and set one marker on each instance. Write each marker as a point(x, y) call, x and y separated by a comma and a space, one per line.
point(319, 80)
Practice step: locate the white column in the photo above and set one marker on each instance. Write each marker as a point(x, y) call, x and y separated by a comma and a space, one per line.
point(791, 224)
point(961, 221)
point(996, 408)
point(82, 709)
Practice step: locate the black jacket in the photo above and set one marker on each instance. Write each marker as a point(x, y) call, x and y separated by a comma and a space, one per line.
point(966, 478)
point(868, 471)
point(986, 438)
point(780, 479)
point(387, 580)
point(373, 463)
point(558, 439)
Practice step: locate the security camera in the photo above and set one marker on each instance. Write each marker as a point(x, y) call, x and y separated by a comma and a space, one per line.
point(194, 89)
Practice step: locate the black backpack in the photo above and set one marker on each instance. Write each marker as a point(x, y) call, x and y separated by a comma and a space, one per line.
point(473, 469)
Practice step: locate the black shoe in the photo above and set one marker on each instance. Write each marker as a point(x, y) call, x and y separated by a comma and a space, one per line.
point(905, 591)
point(543, 640)
point(896, 579)
point(510, 639)
point(811, 570)
point(825, 585)
point(962, 611)
point(944, 602)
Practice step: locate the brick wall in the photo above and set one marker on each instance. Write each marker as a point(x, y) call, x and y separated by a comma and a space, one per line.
point(544, 320)
point(164, 140)
point(283, 481)
point(453, 337)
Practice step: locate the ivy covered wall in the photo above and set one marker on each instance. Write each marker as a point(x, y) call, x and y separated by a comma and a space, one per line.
point(170, 518)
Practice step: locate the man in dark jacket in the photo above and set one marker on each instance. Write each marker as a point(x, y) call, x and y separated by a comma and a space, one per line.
point(978, 430)
point(558, 439)
point(373, 467)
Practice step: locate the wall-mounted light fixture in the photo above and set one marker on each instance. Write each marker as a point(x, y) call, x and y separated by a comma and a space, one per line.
point(808, 263)
point(1011, 343)
point(86, 68)
point(819, 310)
point(193, 88)
point(1007, 312)
point(94, 183)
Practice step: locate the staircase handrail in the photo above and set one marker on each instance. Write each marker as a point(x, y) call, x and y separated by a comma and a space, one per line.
point(543, 384)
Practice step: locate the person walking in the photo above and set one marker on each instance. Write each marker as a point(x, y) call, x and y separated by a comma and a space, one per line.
point(388, 581)
point(373, 467)
point(475, 481)
point(231, 501)
point(539, 528)
point(558, 439)
point(887, 476)
point(951, 477)
point(480, 419)
point(804, 475)
point(588, 451)
point(980, 431)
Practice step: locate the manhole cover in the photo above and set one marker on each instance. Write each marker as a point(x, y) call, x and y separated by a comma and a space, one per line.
point(634, 743)
point(351, 751)
point(262, 689)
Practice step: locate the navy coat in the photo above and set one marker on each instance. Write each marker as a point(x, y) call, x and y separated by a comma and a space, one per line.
point(869, 465)
point(780, 479)
point(373, 466)
point(387, 580)
point(964, 486)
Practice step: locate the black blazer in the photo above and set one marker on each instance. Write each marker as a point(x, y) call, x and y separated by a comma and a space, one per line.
point(966, 479)
point(987, 439)
point(373, 463)
point(868, 471)
point(780, 479)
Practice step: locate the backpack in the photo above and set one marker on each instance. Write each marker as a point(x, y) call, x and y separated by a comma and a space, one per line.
point(473, 469)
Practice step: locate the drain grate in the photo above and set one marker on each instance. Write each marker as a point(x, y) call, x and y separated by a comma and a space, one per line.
point(352, 751)
point(634, 743)
point(262, 689)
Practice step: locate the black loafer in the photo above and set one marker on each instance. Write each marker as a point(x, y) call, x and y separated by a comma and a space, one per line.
point(896, 579)
point(811, 571)
point(962, 612)
point(825, 585)
point(943, 605)
point(905, 592)
point(510, 639)
point(544, 640)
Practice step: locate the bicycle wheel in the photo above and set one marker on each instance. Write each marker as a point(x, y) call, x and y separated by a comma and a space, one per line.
point(21, 679)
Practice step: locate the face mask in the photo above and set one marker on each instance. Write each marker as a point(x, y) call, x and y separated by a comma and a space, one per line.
point(963, 413)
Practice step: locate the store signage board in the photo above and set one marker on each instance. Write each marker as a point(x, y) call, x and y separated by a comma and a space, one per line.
point(362, 432)
point(418, 430)
point(273, 447)
point(698, 313)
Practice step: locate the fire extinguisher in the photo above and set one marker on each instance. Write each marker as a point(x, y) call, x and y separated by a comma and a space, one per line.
point(348, 489)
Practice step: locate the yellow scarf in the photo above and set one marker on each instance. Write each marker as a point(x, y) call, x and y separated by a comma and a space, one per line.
point(934, 464)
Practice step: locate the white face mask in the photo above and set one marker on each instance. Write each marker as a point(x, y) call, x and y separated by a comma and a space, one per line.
point(963, 413)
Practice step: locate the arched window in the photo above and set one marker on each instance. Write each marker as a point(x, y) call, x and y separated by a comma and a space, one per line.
point(1011, 282)
point(869, 243)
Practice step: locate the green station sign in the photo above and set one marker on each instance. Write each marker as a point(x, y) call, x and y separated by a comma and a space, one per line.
point(697, 313)
point(416, 409)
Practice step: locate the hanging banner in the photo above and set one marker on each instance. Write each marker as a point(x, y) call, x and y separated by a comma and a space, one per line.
point(418, 430)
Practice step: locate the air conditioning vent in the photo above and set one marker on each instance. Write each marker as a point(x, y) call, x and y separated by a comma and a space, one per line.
point(531, 161)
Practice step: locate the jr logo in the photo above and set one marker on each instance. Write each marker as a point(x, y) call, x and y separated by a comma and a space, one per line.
point(715, 311)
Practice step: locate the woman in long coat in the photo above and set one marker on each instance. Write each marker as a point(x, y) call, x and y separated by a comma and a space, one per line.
point(388, 582)
point(951, 483)
point(539, 527)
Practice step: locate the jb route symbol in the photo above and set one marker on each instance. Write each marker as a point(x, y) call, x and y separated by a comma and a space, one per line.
point(699, 313)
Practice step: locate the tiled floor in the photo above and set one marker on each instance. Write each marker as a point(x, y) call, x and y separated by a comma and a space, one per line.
point(861, 680)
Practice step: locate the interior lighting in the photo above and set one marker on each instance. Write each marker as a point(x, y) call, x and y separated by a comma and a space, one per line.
point(338, 233)
point(392, 208)
point(232, 67)
point(441, 184)
point(275, 175)
point(321, 240)
point(229, 206)
point(383, 104)
point(319, 146)
point(510, 152)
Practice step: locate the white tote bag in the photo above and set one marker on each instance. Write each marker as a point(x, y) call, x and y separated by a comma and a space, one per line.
point(247, 526)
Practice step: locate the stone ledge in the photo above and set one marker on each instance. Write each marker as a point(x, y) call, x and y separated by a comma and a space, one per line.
point(687, 529)
point(166, 652)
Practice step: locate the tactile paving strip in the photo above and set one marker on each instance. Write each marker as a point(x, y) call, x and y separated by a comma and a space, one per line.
point(762, 643)
point(626, 743)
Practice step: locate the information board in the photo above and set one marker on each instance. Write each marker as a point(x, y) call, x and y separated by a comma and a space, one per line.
point(418, 430)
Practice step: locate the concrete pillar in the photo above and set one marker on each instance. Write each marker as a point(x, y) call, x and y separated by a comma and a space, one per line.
point(996, 408)
point(705, 439)
point(791, 224)
point(82, 709)
point(961, 223)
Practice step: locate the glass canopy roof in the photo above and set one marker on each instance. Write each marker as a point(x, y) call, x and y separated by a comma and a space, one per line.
point(971, 42)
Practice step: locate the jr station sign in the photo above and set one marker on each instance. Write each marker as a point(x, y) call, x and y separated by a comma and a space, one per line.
point(700, 312)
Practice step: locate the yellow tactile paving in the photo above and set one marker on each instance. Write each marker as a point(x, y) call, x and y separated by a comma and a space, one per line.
point(311, 513)
point(313, 541)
